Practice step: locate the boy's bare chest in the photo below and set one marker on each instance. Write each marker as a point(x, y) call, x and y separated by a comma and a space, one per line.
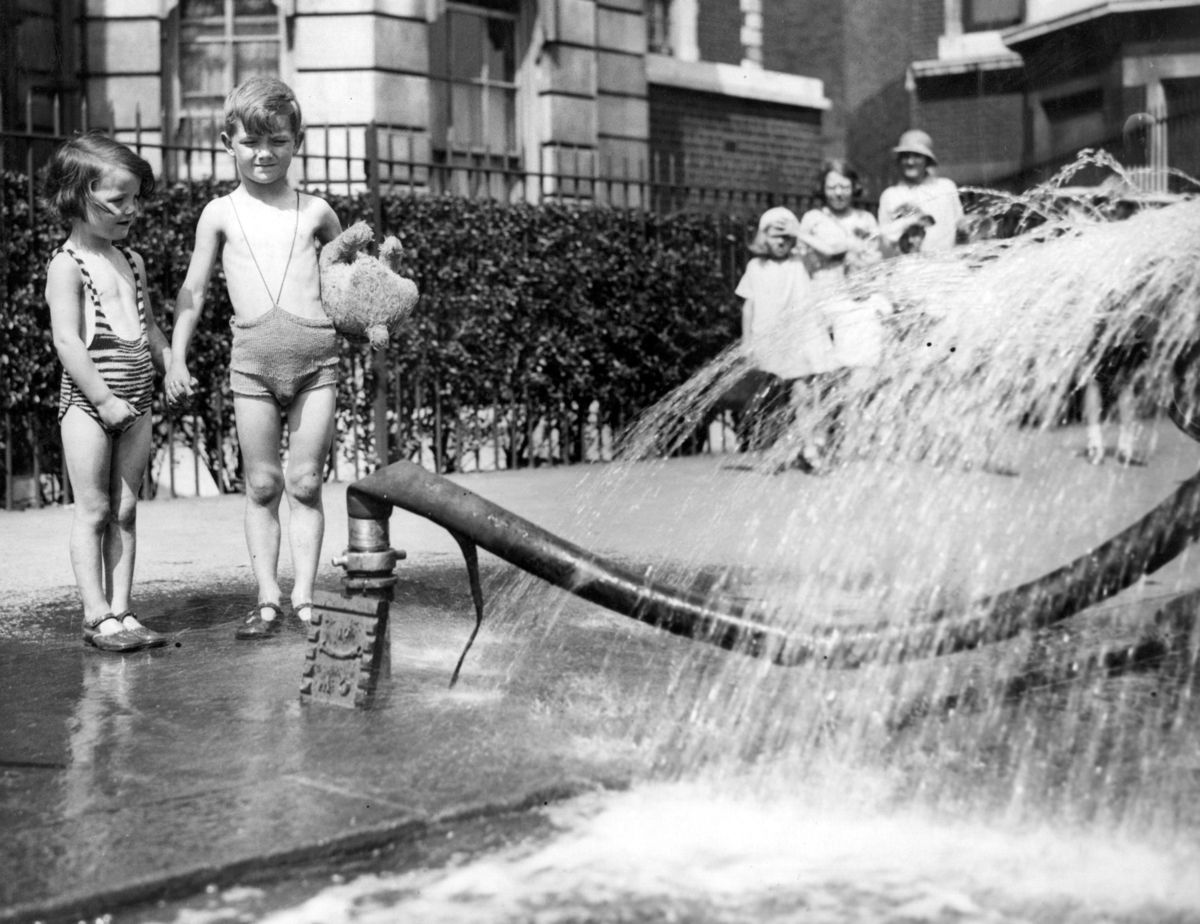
point(264, 233)
point(269, 257)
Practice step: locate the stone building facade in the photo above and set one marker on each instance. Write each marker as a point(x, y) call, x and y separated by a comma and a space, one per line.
point(746, 94)
point(588, 88)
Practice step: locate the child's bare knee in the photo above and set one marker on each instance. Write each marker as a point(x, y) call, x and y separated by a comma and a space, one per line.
point(95, 514)
point(304, 485)
point(125, 514)
point(264, 487)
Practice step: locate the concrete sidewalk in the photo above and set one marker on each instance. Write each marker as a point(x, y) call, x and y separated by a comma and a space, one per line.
point(130, 778)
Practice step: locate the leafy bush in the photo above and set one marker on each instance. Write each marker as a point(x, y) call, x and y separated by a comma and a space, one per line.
point(540, 310)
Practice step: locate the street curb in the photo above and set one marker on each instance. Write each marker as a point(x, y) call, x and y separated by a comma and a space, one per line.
point(181, 883)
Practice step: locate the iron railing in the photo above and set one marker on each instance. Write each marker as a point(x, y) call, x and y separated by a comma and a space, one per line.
point(411, 415)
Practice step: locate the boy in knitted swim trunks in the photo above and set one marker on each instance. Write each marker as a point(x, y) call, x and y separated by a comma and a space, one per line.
point(284, 358)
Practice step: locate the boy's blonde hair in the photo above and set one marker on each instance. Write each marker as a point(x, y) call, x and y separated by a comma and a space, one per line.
point(778, 220)
point(258, 102)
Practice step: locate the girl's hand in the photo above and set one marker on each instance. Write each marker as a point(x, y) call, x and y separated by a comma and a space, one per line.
point(178, 385)
point(116, 413)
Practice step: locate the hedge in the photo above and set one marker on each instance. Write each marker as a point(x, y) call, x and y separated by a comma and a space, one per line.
point(539, 307)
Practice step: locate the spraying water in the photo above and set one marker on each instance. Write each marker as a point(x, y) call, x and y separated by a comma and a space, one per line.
point(1042, 779)
point(935, 502)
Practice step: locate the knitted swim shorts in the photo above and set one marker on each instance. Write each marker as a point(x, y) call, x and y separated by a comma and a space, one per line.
point(280, 355)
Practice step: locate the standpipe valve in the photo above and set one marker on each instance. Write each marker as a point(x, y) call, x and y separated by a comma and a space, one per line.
point(369, 562)
point(349, 637)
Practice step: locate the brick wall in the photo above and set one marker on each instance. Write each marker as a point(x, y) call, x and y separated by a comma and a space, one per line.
point(978, 138)
point(807, 37)
point(877, 102)
point(842, 43)
point(927, 23)
point(719, 31)
point(717, 141)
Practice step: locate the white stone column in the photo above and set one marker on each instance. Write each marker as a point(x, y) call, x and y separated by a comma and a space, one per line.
point(684, 29)
point(752, 33)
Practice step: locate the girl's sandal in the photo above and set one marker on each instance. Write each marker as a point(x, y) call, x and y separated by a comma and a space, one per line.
point(255, 627)
point(152, 639)
point(121, 641)
point(297, 607)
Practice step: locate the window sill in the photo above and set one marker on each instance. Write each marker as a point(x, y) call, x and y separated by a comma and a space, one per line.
point(741, 82)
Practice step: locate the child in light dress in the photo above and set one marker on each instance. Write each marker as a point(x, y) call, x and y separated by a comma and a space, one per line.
point(784, 332)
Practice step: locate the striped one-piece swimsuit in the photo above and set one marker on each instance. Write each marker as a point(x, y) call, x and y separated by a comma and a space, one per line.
point(125, 365)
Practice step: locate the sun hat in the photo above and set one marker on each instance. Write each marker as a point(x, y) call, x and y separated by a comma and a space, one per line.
point(916, 141)
point(779, 220)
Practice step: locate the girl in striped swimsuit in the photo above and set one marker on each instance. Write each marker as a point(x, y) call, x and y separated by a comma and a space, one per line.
point(109, 345)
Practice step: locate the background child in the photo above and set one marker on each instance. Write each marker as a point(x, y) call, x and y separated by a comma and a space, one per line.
point(284, 357)
point(783, 330)
point(109, 345)
point(912, 238)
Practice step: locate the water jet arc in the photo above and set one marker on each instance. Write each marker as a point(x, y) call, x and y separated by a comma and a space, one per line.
point(736, 624)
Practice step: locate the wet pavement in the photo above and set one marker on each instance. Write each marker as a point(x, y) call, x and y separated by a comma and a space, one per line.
point(162, 772)
point(125, 779)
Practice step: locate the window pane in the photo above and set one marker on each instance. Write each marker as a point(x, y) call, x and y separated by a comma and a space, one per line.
point(210, 58)
point(658, 30)
point(194, 33)
point(437, 47)
point(253, 8)
point(255, 27)
point(464, 116)
point(466, 46)
point(439, 110)
point(499, 129)
point(992, 14)
point(474, 103)
point(196, 9)
point(253, 58)
point(501, 58)
point(202, 69)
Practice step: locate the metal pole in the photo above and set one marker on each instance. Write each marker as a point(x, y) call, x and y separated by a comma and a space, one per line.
point(8, 461)
point(379, 363)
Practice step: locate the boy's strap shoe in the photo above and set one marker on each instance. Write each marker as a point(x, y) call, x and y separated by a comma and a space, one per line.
point(255, 627)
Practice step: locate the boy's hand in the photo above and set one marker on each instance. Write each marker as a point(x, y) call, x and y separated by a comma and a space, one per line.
point(179, 385)
point(116, 413)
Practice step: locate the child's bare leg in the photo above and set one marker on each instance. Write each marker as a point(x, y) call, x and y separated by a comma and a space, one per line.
point(1129, 429)
point(131, 452)
point(310, 426)
point(260, 430)
point(88, 453)
point(1093, 411)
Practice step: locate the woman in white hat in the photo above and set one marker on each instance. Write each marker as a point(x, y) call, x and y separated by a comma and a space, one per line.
point(920, 193)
